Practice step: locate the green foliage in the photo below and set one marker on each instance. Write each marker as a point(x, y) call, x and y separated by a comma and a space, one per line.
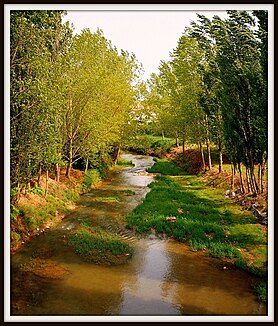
point(261, 290)
point(70, 97)
point(37, 191)
point(91, 178)
point(14, 213)
point(164, 167)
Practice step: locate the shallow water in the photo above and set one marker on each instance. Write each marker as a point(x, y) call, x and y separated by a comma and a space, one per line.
point(163, 277)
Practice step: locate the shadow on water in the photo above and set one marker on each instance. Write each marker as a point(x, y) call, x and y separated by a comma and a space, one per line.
point(163, 277)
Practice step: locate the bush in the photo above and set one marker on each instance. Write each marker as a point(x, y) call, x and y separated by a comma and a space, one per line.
point(190, 161)
point(92, 177)
point(37, 191)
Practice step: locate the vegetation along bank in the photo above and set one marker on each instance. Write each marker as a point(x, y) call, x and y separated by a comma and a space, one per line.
point(76, 101)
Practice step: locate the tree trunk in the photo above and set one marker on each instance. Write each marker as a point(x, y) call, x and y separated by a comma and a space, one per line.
point(202, 155)
point(57, 172)
point(86, 166)
point(39, 174)
point(259, 177)
point(208, 152)
point(183, 147)
point(70, 159)
point(177, 142)
point(220, 157)
point(117, 154)
point(248, 180)
point(241, 179)
point(261, 180)
point(46, 184)
point(253, 181)
point(162, 134)
point(233, 166)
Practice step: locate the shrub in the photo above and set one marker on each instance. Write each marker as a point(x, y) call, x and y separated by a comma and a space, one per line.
point(190, 161)
point(37, 191)
point(91, 178)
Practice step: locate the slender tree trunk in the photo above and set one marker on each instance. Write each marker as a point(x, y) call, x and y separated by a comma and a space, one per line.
point(177, 142)
point(248, 180)
point(241, 179)
point(39, 174)
point(259, 177)
point(117, 154)
point(233, 166)
point(183, 147)
point(70, 159)
point(46, 184)
point(162, 134)
point(57, 172)
point(252, 175)
point(253, 180)
point(220, 157)
point(202, 155)
point(208, 152)
point(86, 166)
point(262, 183)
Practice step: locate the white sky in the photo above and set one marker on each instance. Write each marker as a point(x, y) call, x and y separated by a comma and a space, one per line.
point(150, 35)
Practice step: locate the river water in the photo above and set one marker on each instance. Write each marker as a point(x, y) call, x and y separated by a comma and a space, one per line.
point(163, 277)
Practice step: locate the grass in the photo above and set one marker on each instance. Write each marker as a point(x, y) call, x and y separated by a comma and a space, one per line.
point(164, 167)
point(98, 246)
point(122, 162)
point(205, 219)
point(108, 198)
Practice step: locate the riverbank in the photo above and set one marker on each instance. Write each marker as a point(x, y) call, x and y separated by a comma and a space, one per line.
point(34, 213)
point(185, 208)
point(57, 273)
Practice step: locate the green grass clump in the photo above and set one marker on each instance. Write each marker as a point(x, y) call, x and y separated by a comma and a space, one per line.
point(123, 162)
point(108, 198)
point(261, 290)
point(164, 167)
point(99, 246)
point(129, 192)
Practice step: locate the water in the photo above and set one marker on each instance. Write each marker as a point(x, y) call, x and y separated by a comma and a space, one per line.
point(163, 277)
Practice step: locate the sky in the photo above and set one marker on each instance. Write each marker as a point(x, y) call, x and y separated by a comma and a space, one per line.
point(150, 35)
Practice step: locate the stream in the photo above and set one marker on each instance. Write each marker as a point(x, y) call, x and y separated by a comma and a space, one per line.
point(164, 277)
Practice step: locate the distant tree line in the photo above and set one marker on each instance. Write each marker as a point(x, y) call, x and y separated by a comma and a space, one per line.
point(214, 89)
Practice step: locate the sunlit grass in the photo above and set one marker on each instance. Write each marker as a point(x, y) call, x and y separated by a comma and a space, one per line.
point(98, 246)
point(204, 218)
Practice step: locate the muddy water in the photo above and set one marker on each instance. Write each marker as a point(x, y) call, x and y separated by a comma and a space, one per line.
point(163, 277)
